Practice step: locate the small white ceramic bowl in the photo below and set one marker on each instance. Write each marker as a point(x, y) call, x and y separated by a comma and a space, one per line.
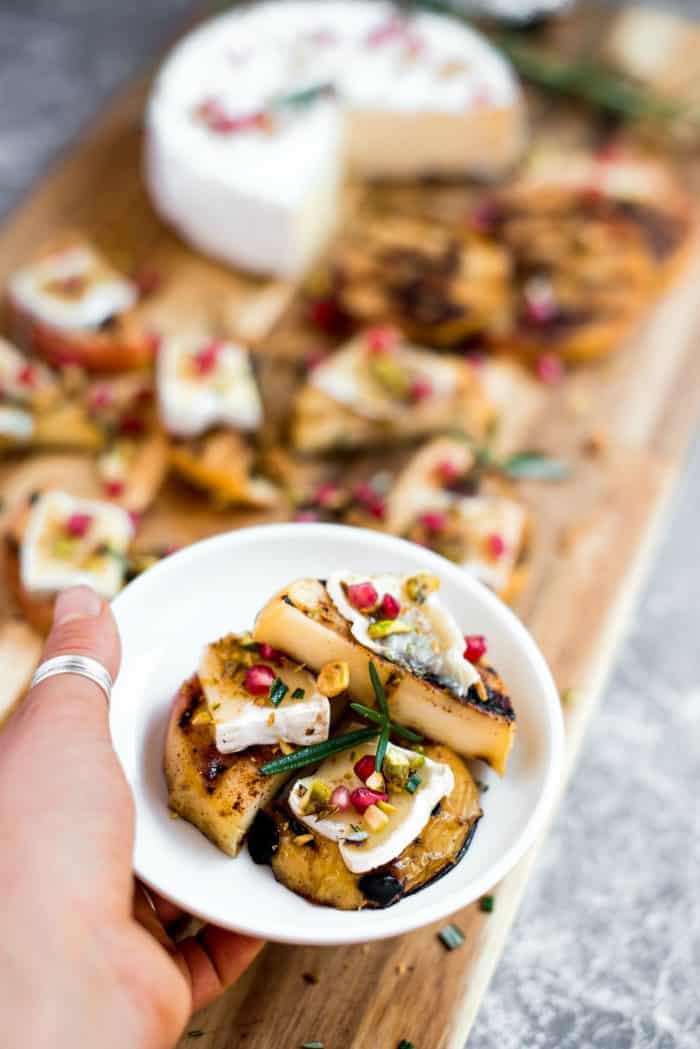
point(168, 614)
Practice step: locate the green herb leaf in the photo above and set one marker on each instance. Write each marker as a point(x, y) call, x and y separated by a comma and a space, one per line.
point(379, 691)
point(304, 98)
point(405, 1044)
point(451, 936)
point(486, 904)
point(298, 693)
point(318, 752)
point(534, 466)
point(381, 747)
point(414, 783)
point(312, 1045)
point(278, 690)
point(398, 730)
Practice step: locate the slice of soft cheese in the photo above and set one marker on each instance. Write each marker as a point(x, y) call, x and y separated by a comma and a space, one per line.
point(71, 541)
point(203, 383)
point(16, 424)
point(242, 720)
point(352, 378)
point(412, 810)
point(23, 380)
point(72, 289)
point(485, 516)
point(303, 621)
point(433, 645)
point(256, 115)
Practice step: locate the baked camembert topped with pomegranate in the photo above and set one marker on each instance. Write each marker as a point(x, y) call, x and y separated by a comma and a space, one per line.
point(334, 736)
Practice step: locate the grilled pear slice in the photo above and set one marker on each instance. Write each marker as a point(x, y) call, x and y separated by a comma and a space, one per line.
point(316, 869)
point(220, 794)
point(303, 621)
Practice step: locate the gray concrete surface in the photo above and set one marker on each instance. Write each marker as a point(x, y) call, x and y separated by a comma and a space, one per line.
point(605, 952)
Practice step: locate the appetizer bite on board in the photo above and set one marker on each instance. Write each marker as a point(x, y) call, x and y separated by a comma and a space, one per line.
point(377, 390)
point(593, 240)
point(56, 541)
point(71, 306)
point(255, 116)
point(208, 400)
point(439, 286)
point(441, 500)
point(350, 810)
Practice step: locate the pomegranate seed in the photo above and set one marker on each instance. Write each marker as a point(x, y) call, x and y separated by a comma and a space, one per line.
point(420, 390)
point(100, 397)
point(27, 375)
point(475, 647)
point(433, 521)
point(383, 339)
point(364, 768)
point(362, 596)
point(363, 797)
point(78, 524)
point(549, 368)
point(272, 655)
point(340, 799)
point(307, 516)
point(206, 359)
point(258, 679)
point(326, 315)
point(448, 471)
point(114, 489)
point(315, 357)
point(486, 216)
point(147, 280)
point(327, 495)
point(389, 607)
point(131, 425)
point(370, 500)
point(496, 545)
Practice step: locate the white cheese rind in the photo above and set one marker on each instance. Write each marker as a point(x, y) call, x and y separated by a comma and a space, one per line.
point(191, 403)
point(42, 572)
point(109, 295)
point(437, 646)
point(404, 826)
point(433, 97)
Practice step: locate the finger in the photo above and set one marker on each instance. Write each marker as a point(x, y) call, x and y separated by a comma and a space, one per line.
point(213, 961)
point(83, 624)
point(168, 912)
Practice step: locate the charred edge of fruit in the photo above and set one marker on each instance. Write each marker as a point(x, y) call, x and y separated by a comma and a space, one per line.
point(196, 697)
point(497, 703)
point(458, 859)
point(263, 839)
point(380, 888)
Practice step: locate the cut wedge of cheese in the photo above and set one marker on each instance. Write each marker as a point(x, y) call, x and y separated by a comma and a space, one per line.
point(242, 719)
point(304, 621)
point(70, 541)
point(257, 115)
point(361, 848)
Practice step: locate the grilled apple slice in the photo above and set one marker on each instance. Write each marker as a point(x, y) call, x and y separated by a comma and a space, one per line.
point(219, 793)
point(304, 621)
point(315, 869)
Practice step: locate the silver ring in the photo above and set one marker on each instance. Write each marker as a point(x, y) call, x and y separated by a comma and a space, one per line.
point(84, 666)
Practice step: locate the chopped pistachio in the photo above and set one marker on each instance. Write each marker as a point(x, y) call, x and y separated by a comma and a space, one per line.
point(317, 797)
point(376, 782)
point(333, 678)
point(63, 547)
point(420, 586)
point(396, 769)
point(387, 807)
point(416, 761)
point(375, 819)
point(285, 747)
point(202, 717)
point(386, 627)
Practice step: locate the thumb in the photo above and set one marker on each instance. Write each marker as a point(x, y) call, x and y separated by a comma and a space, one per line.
point(83, 625)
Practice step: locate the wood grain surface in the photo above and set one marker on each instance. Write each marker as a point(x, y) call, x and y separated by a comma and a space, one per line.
point(594, 539)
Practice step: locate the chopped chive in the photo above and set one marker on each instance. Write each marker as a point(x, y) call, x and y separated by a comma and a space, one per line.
point(317, 752)
point(486, 904)
point(451, 937)
point(312, 1045)
point(278, 690)
point(414, 783)
point(381, 747)
point(405, 1044)
point(298, 693)
point(378, 689)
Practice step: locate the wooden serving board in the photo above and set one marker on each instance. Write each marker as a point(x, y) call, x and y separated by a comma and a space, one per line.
point(595, 535)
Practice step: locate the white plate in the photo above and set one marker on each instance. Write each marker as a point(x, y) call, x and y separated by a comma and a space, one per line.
point(170, 612)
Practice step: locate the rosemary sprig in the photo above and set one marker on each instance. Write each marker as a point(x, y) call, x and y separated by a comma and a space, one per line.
point(382, 718)
point(528, 465)
point(318, 751)
point(399, 730)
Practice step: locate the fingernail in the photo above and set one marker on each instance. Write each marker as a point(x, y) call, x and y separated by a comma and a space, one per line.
point(80, 602)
